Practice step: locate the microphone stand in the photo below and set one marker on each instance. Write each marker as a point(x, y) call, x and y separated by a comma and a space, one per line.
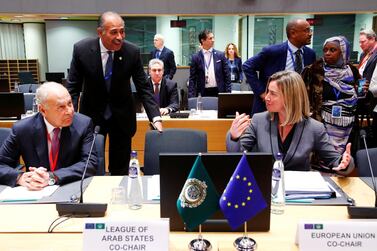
point(365, 212)
point(83, 209)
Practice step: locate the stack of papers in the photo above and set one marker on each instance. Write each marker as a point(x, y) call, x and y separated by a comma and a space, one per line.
point(22, 194)
point(306, 185)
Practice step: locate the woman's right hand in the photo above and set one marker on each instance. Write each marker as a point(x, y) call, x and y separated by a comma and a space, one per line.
point(239, 125)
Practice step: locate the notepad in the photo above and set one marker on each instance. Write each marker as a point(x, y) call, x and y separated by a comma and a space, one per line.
point(20, 193)
point(304, 185)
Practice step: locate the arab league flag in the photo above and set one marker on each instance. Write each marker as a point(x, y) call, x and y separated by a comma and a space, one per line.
point(242, 198)
point(198, 199)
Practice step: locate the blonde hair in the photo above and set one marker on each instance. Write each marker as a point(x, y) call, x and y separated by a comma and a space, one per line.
point(234, 48)
point(296, 101)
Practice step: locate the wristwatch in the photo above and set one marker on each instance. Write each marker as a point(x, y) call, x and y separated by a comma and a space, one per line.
point(51, 179)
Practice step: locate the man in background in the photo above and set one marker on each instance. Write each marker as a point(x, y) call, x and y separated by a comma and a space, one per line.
point(54, 143)
point(209, 72)
point(290, 55)
point(165, 90)
point(165, 55)
point(101, 68)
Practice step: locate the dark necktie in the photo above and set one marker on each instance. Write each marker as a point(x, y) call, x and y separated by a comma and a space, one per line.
point(298, 62)
point(54, 148)
point(156, 93)
point(109, 70)
point(158, 53)
point(108, 75)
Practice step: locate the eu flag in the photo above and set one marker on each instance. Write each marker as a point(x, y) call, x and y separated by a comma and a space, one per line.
point(198, 199)
point(242, 198)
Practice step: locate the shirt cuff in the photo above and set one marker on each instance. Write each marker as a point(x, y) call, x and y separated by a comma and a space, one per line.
point(157, 119)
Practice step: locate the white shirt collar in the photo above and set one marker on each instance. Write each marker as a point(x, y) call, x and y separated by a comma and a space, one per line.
point(293, 48)
point(49, 127)
point(102, 47)
point(210, 50)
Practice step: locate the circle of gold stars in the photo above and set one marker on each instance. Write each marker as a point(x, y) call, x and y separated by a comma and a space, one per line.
point(248, 198)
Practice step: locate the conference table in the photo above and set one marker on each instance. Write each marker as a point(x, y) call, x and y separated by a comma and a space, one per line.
point(24, 227)
point(216, 130)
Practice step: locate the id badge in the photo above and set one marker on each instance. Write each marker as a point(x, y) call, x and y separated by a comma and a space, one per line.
point(232, 77)
point(206, 78)
point(336, 111)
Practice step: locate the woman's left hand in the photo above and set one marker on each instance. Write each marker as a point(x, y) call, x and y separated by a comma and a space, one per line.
point(345, 159)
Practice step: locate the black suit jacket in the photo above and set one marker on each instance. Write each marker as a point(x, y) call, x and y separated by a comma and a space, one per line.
point(168, 94)
point(29, 140)
point(369, 67)
point(197, 73)
point(86, 75)
point(166, 56)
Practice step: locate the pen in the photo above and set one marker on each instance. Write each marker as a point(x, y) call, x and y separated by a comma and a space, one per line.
point(304, 201)
point(19, 200)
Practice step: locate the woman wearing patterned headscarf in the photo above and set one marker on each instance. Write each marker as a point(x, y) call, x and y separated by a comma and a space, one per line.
point(331, 83)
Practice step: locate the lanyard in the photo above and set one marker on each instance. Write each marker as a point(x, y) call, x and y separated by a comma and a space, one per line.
point(209, 62)
point(53, 162)
point(336, 92)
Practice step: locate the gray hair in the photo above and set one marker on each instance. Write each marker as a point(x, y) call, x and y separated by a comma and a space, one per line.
point(369, 33)
point(44, 90)
point(155, 61)
point(160, 37)
point(102, 18)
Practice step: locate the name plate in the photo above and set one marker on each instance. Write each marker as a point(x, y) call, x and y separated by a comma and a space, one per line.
point(337, 235)
point(102, 235)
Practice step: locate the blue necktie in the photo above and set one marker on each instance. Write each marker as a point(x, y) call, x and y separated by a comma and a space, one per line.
point(108, 74)
point(109, 70)
point(158, 53)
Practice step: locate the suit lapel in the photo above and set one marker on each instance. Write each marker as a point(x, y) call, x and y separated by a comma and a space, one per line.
point(64, 147)
point(283, 61)
point(201, 60)
point(295, 141)
point(274, 136)
point(40, 141)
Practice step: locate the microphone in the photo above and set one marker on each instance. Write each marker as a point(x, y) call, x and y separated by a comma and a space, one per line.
point(30, 88)
point(365, 212)
point(83, 209)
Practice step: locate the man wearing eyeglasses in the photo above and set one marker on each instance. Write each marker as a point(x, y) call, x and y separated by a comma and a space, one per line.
point(291, 55)
point(165, 90)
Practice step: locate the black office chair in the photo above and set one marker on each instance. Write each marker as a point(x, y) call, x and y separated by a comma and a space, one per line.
point(4, 133)
point(209, 103)
point(100, 148)
point(26, 77)
point(172, 140)
point(28, 88)
point(28, 101)
point(362, 162)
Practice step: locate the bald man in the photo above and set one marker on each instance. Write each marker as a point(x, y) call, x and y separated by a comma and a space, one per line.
point(54, 143)
point(291, 55)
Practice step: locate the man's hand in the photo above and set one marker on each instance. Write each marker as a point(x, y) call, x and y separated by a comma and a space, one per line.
point(164, 111)
point(35, 179)
point(158, 126)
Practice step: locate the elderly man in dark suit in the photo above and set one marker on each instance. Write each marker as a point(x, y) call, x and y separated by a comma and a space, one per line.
point(54, 144)
point(209, 72)
point(165, 90)
point(101, 69)
point(290, 55)
point(165, 55)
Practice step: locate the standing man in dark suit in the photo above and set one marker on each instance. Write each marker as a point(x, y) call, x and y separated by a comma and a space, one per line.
point(165, 55)
point(54, 144)
point(101, 69)
point(290, 55)
point(165, 90)
point(209, 72)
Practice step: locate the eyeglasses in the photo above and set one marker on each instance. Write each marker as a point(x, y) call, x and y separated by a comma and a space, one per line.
point(156, 70)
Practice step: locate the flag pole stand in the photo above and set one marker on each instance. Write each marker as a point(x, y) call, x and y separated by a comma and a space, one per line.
point(200, 244)
point(245, 243)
